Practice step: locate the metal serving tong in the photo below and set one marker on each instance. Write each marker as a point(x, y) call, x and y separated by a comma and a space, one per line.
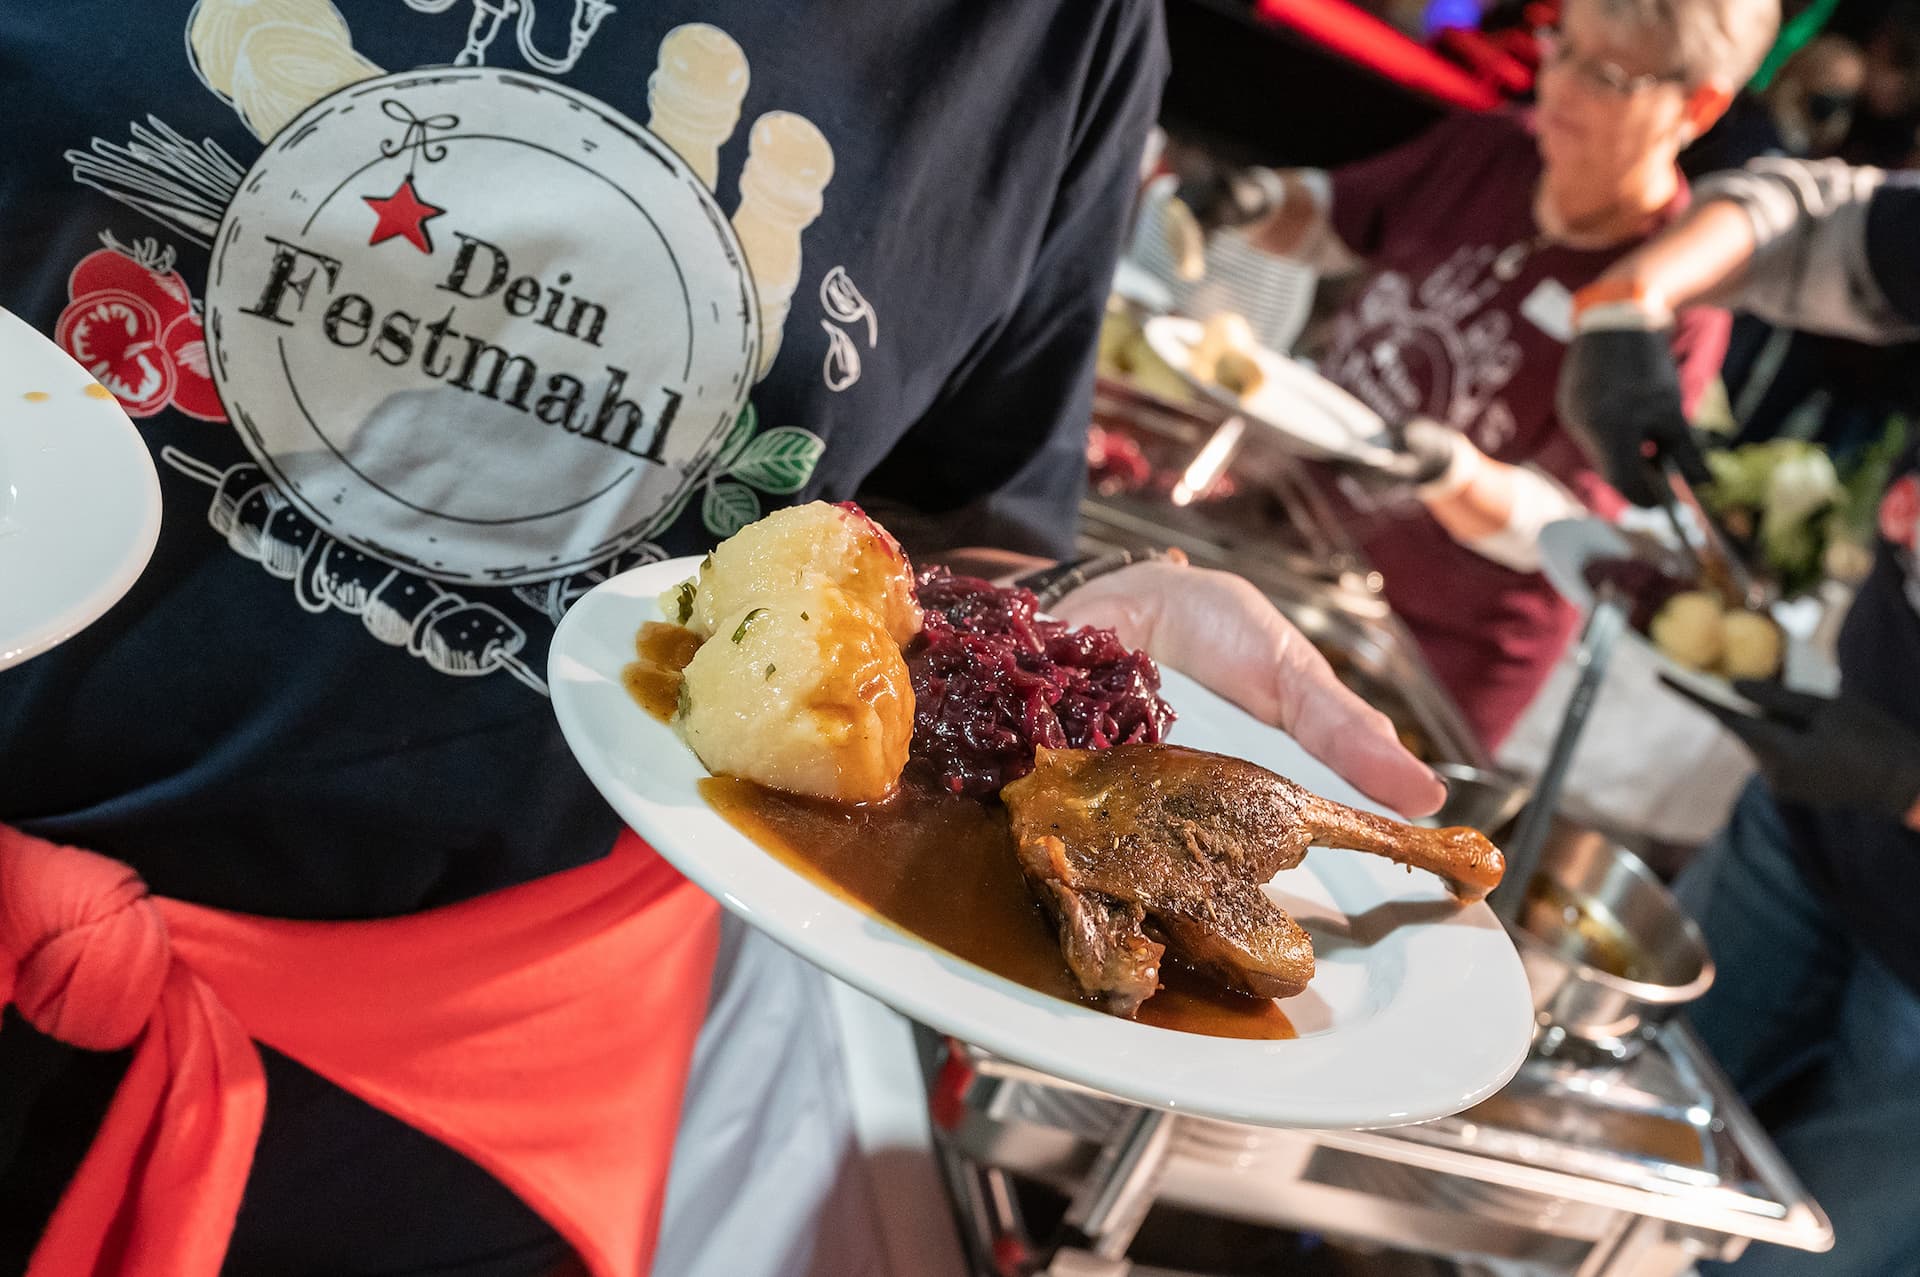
point(1721, 567)
point(1605, 624)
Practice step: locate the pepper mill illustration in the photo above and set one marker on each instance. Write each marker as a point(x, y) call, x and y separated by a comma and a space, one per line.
point(788, 164)
point(695, 94)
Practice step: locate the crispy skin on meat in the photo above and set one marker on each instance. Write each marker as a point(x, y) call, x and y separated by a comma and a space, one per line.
point(1111, 839)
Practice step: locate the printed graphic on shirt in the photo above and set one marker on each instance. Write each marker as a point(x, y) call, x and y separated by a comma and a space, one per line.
point(1435, 351)
point(370, 264)
point(131, 322)
point(845, 304)
point(183, 185)
point(450, 633)
point(1549, 307)
point(488, 16)
point(476, 328)
point(272, 59)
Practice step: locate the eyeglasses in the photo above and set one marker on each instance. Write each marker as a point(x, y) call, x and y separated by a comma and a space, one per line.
point(1599, 73)
point(1822, 107)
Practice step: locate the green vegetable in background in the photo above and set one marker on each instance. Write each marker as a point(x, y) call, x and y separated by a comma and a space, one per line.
point(1743, 477)
point(1803, 517)
point(1793, 552)
point(1784, 489)
point(1739, 477)
point(1800, 491)
point(1802, 484)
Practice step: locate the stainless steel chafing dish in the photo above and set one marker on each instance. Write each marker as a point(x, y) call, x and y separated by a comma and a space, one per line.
point(1585, 1164)
point(1196, 471)
point(1608, 951)
point(1638, 1168)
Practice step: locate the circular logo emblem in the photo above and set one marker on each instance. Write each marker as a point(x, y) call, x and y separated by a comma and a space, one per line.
point(478, 325)
point(1398, 370)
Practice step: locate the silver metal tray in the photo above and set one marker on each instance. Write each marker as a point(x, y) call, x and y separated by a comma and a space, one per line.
point(1637, 1168)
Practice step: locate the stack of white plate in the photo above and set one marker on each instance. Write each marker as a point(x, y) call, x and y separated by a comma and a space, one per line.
point(1273, 293)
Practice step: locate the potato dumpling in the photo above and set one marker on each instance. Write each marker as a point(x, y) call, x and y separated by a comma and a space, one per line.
point(1221, 333)
point(803, 691)
point(789, 549)
point(1754, 646)
point(1690, 629)
point(1239, 372)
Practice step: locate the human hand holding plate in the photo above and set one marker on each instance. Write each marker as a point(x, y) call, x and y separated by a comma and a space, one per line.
point(1222, 629)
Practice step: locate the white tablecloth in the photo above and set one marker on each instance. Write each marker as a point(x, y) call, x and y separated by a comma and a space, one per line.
point(1649, 762)
point(803, 1148)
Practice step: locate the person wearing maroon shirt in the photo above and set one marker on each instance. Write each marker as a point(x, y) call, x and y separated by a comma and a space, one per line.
point(1477, 235)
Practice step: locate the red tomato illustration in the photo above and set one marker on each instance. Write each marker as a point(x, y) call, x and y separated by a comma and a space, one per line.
point(185, 342)
point(149, 277)
point(116, 336)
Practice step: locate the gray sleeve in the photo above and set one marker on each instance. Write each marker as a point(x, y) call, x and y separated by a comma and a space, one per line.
point(1812, 268)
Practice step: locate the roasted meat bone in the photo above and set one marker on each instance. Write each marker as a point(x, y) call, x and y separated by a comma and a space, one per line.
point(1112, 840)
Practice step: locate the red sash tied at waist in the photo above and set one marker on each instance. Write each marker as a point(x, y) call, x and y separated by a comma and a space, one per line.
point(543, 1031)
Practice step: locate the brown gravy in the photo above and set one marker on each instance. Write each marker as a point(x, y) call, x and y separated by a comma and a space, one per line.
point(654, 678)
point(939, 866)
point(942, 867)
point(1581, 928)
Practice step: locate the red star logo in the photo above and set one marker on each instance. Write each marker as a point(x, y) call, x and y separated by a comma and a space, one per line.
point(403, 214)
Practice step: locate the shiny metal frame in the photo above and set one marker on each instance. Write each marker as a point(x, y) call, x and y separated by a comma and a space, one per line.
point(1633, 1169)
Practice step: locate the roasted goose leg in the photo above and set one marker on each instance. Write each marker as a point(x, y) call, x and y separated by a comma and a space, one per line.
point(1114, 839)
point(1103, 941)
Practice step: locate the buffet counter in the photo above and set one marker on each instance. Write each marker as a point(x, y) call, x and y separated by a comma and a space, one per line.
point(1581, 1167)
point(1588, 1162)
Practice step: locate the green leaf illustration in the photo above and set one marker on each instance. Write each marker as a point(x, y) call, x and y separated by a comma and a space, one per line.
point(728, 507)
point(779, 461)
point(743, 427)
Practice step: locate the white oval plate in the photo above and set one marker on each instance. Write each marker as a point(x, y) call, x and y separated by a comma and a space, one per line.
point(1418, 1009)
point(79, 500)
point(1293, 400)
